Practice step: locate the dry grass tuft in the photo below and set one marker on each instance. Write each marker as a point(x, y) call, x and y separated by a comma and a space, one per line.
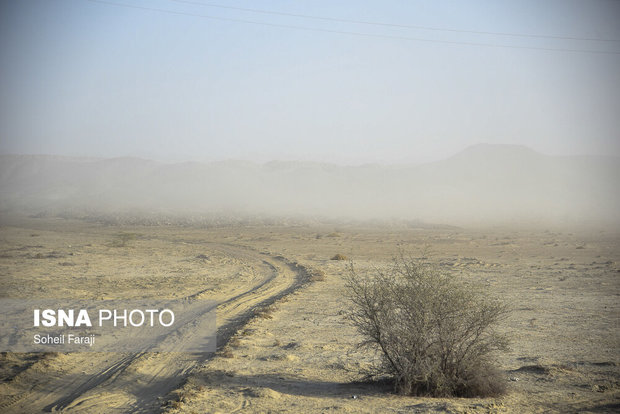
point(226, 353)
point(234, 342)
point(265, 312)
point(316, 275)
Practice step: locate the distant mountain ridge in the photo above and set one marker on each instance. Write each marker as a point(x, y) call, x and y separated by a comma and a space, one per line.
point(481, 183)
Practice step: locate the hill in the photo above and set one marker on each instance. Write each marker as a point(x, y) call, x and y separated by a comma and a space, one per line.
point(483, 183)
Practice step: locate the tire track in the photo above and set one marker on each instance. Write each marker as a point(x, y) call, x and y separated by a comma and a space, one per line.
point(121, 385)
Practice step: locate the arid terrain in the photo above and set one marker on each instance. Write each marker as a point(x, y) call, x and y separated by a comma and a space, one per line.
point(340, 206)
point(284, 344)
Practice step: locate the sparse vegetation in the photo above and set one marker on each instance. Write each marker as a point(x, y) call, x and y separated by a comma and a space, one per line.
point(234, 342)
point(226, 353)
point(121, 239)
point(316, 275)
point(265, 312)
point(307, 338)
point(435, 333)
point(339, 256)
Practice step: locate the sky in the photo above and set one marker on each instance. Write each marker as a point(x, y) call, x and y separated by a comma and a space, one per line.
point(190, 81)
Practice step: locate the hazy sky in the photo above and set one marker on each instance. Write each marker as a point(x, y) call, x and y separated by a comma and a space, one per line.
point(88, 78)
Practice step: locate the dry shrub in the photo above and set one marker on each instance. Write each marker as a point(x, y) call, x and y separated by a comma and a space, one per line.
point(122, 239)
point(265, 312)
point(316, 275)
point(227, 353)
point(234, 342)
point(435, 333)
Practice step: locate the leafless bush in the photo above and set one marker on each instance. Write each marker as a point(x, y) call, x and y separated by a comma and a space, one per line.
point(435, 333)
point(122, 239)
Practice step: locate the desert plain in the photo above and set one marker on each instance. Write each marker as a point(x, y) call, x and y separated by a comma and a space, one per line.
point(284, 341)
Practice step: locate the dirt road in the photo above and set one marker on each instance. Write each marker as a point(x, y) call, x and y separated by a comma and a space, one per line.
point(117, 382)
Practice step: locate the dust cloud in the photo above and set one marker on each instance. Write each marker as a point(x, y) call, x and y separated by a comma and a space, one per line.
point(484, 184)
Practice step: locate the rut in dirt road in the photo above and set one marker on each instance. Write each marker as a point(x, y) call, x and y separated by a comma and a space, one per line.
point(140, 382)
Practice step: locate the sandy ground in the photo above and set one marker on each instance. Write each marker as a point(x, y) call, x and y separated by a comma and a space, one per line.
point(299, 354)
